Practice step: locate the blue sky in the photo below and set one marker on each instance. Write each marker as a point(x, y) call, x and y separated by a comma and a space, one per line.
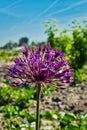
point(26, 17)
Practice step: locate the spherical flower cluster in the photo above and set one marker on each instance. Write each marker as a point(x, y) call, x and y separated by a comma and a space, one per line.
point(40, 65)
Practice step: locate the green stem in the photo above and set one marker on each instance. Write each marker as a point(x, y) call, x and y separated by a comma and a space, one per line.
point(38, 108)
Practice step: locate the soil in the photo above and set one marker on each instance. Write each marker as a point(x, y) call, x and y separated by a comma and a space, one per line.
point(71, 99)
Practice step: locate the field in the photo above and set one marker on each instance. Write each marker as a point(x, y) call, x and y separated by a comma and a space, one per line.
point(59, 109)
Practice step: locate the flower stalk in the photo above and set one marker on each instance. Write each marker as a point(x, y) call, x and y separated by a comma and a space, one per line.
point(38, 108)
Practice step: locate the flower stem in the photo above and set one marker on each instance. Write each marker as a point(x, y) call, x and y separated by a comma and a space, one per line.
point(38, 108)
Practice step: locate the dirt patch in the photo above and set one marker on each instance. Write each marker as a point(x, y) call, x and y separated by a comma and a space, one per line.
point(71, 99)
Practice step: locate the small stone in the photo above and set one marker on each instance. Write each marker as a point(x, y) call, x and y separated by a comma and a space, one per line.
point(55, 99)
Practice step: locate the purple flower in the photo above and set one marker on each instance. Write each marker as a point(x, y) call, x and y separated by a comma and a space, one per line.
point(40, 65)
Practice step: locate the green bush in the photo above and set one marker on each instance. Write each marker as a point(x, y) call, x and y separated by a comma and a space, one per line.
point(73, 43)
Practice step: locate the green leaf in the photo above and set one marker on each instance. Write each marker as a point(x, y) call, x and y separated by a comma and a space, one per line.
point(83, 127)
point(47, 115)
point(69, 117)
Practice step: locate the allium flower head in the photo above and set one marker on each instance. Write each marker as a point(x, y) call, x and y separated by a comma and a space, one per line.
point(40, 65)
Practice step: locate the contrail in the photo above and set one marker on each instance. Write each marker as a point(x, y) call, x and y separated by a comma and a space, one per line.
point(68, 8)
point(5, 11)
point(45, 11)
point(40, 14)
point(13, 4)
point(49, 7)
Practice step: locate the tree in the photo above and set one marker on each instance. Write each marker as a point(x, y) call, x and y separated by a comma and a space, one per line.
point(23, 41)
point(79, 46)
point(73, 43)
point(33, 43)
point(51, 30)
point(10, 45)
